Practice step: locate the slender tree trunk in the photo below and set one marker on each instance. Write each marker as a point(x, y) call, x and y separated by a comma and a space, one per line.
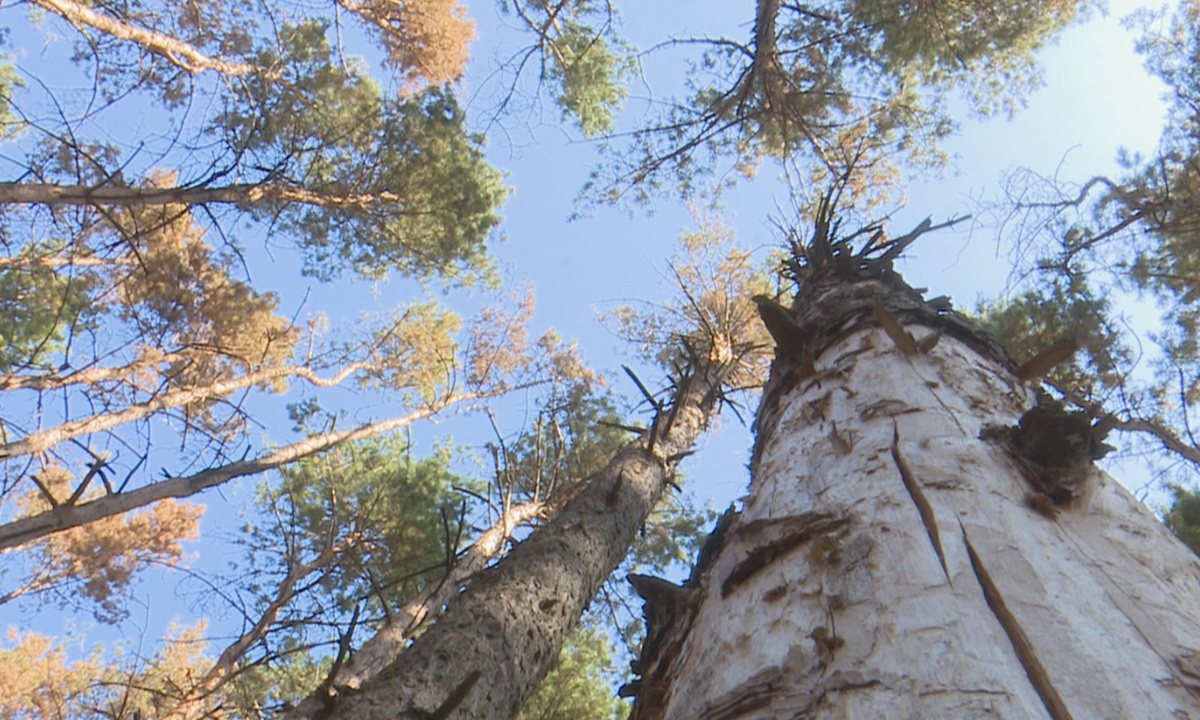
point(63, 517)
point(387, 644)
point(907, 551)
point(496, 640)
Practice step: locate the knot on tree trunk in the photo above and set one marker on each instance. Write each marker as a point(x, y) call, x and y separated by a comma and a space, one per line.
point(1055, 449)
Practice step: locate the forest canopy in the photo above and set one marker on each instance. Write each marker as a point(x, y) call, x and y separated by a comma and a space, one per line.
point(275, 380)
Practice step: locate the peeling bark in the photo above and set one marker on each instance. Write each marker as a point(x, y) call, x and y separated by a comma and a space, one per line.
point(939, 592)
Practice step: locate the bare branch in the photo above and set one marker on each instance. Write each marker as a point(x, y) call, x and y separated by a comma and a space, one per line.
point(88, 376)
point(53, 194)
point(39, 442)
point(173, 49)
point(229, 661)
point(1169, 439)
point(24, 530)
point(12, 262)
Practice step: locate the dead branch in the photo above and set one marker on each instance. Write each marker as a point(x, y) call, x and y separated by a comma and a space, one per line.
point(42, 441)
point(28, 529)
point(173, 49)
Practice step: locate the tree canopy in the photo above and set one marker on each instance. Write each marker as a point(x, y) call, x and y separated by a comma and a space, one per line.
point(177, 178)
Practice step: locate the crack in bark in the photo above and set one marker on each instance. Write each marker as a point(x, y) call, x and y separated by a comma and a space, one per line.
point(796, 531)
point(456, 697)
point(1183, 662)
point(1026, 654)
point(763, 688)
point(924, 509)
point(754, 694)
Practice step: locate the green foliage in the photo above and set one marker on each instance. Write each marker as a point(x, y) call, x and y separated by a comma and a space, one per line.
point(10, 123)
point(274, 685)
point(1183, 518)
point(951, 42)
point(851, 89)
point(585, 63)
point(589, 77)
point(578, 686)
point(1032, 321)
point(360, 531)
point(397, 184)
point(385, 513)
point(1139, 233)
point(40, 307)
point(568, 443)
point(674, 535)
point(414, 350)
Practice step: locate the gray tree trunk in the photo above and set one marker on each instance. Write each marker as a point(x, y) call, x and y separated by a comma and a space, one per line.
point(922, 539)
point(497, 639)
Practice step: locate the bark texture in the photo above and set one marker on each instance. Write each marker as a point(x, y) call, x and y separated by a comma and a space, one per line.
point(922, 539)
point(498, 638)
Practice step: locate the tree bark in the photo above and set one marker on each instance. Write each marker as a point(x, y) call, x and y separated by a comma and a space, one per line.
point(241, 194)
point(387, 644)
point(908, 551)
point(497, 639)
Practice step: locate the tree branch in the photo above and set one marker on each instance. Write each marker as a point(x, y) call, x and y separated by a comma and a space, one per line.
point(173, 49)
point(39, 442)
point(53, 194)
point(54, 261)
point(227, 664)
point(88, 376)
point(401, 628)
point(65, 517)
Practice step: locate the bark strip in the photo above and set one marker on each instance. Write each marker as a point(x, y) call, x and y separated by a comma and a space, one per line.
point(1016, 635)
point(918, 497)
point(795, 531)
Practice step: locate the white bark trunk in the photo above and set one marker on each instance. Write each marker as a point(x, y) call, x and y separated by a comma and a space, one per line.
point(845, 590)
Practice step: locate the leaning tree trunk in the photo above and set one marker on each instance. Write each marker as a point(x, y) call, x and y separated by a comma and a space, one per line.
point(922, 539)
point(495, 641)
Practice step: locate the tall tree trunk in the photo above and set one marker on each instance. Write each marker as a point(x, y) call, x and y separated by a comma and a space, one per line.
point(908, 550)
point(496, 640)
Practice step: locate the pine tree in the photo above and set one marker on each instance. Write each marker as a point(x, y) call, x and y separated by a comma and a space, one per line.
point(925, 535)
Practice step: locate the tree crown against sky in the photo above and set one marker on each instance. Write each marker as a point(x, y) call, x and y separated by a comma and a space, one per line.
point(135, 326)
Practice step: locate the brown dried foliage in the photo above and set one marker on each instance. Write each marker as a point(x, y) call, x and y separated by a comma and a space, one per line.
point(100, 559)
point(427, 41)
point(180, 297)
point(713, 281)
point(36, 678)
